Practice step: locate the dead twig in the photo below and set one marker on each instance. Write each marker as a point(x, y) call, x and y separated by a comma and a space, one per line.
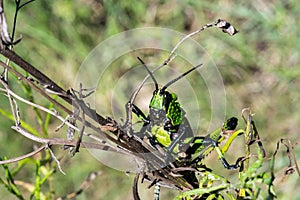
point(23, 156)
point(225, 26)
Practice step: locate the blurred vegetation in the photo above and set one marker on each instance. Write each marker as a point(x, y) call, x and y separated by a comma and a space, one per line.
point(260, 68)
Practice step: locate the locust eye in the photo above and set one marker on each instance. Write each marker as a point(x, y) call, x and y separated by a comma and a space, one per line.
point(167, 99)
point(162, 92)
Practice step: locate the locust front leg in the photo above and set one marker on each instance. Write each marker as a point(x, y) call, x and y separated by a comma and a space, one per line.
point(224, 161)
point(131, 108)
point(206, 144)
point(224, 149)
point(140, 114)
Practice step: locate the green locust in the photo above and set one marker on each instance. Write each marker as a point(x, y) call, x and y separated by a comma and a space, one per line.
point(167, 126)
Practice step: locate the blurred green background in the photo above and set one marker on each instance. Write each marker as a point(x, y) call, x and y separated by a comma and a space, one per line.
point(260, 68)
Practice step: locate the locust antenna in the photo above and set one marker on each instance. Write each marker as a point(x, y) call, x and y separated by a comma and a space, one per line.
point(150, 73)
point(179, 77)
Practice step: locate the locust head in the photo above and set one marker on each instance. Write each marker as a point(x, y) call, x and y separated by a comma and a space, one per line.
point(160, 104)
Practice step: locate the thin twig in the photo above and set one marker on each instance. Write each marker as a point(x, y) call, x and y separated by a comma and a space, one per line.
point(23, 156)
point(53, 113)
point(20, 76)
point(222, 24)
point(55, 159)
point(79, 108)
point(59, 141)
point(12, 102)
point(135, 190)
